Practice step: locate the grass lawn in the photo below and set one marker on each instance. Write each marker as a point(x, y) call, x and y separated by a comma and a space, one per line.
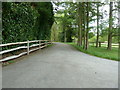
point(99, 52)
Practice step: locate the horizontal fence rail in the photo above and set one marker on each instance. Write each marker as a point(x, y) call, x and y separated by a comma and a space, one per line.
point(40, 44)
point(100, 44)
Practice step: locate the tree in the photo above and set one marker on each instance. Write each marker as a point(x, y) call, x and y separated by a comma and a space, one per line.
point(110, 27)
point(97, 41)
point(84, 26)
point(87, 26)
point(79, 24)
point(54, 32)
point(66, 18)
point(119, 25)
point(88, 11)
point(44, 20)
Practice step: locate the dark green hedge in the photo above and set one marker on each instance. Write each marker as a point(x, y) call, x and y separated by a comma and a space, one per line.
point(23, 21)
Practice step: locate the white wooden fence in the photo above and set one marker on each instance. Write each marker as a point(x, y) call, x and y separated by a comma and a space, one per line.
point(104, 44)
point(41, 44)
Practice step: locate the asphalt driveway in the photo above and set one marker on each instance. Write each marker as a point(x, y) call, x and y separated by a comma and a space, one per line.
point(60, 66)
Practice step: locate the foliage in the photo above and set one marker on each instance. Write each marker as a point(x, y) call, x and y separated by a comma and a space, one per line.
point(18, 22)
point(55, 32)
point(44, 20)
point(66, 19)
point(93, 39)
point(26, 21)
point(91, 34)
point(87, 20)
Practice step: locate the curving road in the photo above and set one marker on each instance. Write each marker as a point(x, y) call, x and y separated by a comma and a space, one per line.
point(61, 66)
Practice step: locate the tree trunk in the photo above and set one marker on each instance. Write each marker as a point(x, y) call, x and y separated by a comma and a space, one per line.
point(84, 28)
point(109, 41)
point(119, 26)
point(79, 25)
point(87, 29)
point(110, 27)
point(97, 40)
point(65, 36)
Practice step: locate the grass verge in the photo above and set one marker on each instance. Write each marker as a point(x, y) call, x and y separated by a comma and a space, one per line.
point(99, 52)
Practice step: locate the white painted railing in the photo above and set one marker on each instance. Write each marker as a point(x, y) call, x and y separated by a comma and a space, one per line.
point(104, 43)
point(41, 44)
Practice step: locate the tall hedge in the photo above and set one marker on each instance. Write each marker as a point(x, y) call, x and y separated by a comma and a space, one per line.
point(26, 21)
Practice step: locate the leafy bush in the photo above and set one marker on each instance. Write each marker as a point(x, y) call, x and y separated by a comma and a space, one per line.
point(24, 21)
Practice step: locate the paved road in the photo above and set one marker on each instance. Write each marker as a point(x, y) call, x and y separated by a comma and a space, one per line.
point(61, 66)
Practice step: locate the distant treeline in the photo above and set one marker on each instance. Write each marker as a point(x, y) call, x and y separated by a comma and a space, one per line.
point(23, 21)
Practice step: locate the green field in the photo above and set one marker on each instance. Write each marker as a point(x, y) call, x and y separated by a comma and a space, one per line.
point(99, 52)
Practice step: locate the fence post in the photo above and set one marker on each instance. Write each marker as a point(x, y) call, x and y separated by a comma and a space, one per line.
point(39, 44)
point(28, 47)
point(99, 44)
point(50, 41)
point(46, 43)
